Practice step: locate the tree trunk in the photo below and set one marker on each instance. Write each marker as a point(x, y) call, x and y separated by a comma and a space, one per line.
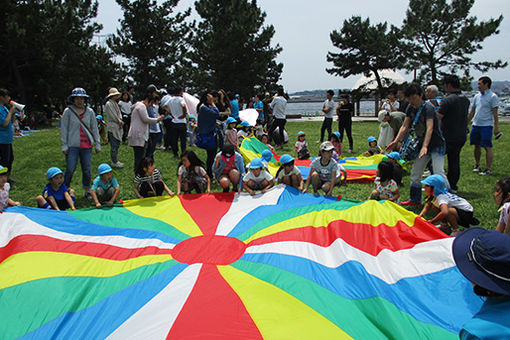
point(358, 107)
point(376, 102)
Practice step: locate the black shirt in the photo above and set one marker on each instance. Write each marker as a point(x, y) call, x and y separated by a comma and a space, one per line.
point(345, 112)
point(454, 109)
point(427, 112)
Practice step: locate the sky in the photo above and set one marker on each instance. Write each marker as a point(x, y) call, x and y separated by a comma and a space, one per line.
point(302, 29)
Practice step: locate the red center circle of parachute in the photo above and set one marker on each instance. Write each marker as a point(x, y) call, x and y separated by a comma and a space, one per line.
point(210, 249)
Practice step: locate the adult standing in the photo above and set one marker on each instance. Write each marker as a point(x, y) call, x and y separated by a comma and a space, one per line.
point(328, 108)
point(453, 113)
point(208, 113)
point(268, 113)
point(178, 111)
point(138, 135)
point(278, 105)
point(114, 124)
point(259, 106)
point(125, 109)
point(234, 105)
point(6, 131)
point(402, 101)
point(432, 94)
point(431, 140)
point(485, 123)
point(79, 134)
point(167, 121)
point(344, 112)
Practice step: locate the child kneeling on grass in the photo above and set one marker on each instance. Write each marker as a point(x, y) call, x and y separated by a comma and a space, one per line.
point(452, 209)
point(191, 174)
point(5, 201)
point(55, 194)
point(257, 178)
point(105, 188)
point(289, 174)
point(386, 187)
point(325, 171)
point(148, 180)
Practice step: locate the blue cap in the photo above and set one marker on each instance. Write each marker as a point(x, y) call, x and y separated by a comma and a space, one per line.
point(99, 117)
point(255, 163)
point(267, 155)
point(300, 133)
point(337, 134)
point(52, 172)
point(483, 257)
point(237, 95)
point(395, 155)
point(3, 170)
point(103, 168)
point(285, 158)
point(79, 92)
point(437, 182)
point(193, 116)
point(244, 123)
point(231, 120)
point(372, 139)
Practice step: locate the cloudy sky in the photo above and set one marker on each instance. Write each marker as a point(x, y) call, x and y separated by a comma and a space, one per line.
point(303, 28)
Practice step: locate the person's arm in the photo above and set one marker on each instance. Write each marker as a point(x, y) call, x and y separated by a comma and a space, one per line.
point(301, 182)
point(9, 116)
point(170, 192)
point(12, 203)
point(183, 111)
point(308, 180)
point(51, 200)
point(64, 126)
point(428, 136)
point(68, 198)
point(114, 197)
point(395, 197)
point(333, 182)
point(208, 183)
point(344, 172)
point(443, 212)
point(94, 197)
point(178, 184)
point(137, 193)
point(496, 120)
point(269, 186)
point(501, 227)
point(401, 133)
point(425, 210)
point(471, 114)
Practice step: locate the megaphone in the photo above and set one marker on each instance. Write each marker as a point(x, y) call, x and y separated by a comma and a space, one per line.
point(18, 106)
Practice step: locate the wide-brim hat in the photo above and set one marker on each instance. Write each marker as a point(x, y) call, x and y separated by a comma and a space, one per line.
point(256, 163)
point(113, 92)
point(483, 257)
point(79, 92)
point(327, 146)
point(103, 168)
point(437, 182)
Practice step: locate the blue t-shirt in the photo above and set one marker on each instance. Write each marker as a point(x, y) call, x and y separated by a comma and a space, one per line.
point(98, 183)
point(259, 106)
point(57, 195)
point(491, 322)
point(483, 105)
point(234, 110)
point(6, 132)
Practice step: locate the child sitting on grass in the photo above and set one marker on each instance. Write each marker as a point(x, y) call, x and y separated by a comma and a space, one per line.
point(386, 187)
point(373, 149)
point(105, 188)
point(301, 150)
point(257, 178)
point(288, 173)
point(148, 180)
point(245, 132)
point(325, 171)
point(5, 201)
point(502, 199)
point(191, 174)
point(394, 158)
point(55, 194)
point(265, 140)
point(451, 209)
point(265, 157)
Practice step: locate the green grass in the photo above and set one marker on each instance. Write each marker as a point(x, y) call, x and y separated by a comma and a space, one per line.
point(35, 153)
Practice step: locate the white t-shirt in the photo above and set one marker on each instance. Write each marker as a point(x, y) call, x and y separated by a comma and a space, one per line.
point(331, 104)
point(176, 110)
point(453, 201)
point(4, 196)
point(300, 145)
point(264, 175)
point(503, 217)
point(387, 107)
point(294, 171)
point(279, 105)
point(125, 108)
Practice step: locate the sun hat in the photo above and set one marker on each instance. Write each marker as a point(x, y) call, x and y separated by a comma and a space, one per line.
point(193, 116)
point(3, 170)
point(394, 155)
point(381, 115)
point(286, 158)
point(337, 134)
point(436, 181)
point(327, 146)
point(245, 123)
point(371, 139)
point(483, 257)
point(151, 88)
point(231, 120)
point(113, 92)
point(52, 172)
point(266, 155)
point(237, 95)
point(79, 92)
point(99, 117)
point(301, 133)
point(228, 150)
point(256, 163)
point(103, 168)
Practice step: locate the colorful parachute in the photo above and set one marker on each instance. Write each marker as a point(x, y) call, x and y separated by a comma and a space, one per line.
point(359, 169)
point(274, 266)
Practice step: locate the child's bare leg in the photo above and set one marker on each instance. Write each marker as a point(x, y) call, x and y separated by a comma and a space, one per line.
point(325, 187)
point(453, 218)
point(41, 202)
point(294, 181)
point(287, 180)
point(234, 176)
point(224, 182)
point(316, 182)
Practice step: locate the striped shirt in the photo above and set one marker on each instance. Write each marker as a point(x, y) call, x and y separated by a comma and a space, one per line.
point(152, 178)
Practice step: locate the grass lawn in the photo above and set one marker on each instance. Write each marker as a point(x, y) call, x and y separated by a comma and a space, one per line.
point(35, 153)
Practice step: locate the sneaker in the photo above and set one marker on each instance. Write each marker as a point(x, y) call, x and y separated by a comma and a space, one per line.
point(350, 151)
point(486, 172)
point(426, 173)
point(476, 168)
point(118, 165)
point(410, 203)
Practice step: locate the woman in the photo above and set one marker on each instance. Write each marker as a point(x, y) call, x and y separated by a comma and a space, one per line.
point(208, 113)
point(139, 130)
point(114, 124)
point(79, 134)
point(344, 112)
point(125, 108)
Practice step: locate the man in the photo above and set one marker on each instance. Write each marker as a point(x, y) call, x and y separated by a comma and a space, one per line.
point(345, 111)
point(6, 132)
point(432, 94)
point(234, 104)
point(177, 110)
point(167, 121)
point(268, 113)
point(278, 105)
point(453, 113)
point(328, 108)
point(485, 123)
point(395, 119)
point(402, 101)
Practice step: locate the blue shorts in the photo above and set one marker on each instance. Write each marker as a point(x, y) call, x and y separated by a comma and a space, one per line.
point(481, 136)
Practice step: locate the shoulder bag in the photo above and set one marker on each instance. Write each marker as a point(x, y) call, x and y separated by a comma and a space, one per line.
point(412, 144)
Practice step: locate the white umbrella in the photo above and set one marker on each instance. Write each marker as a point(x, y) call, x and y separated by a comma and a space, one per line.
point(388, 77)
point(191, 103)
point(250, 115)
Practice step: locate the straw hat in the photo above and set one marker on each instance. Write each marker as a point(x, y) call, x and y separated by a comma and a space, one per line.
point(113, 92)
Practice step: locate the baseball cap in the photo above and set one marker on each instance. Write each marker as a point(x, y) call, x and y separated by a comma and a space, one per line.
point(52, 172)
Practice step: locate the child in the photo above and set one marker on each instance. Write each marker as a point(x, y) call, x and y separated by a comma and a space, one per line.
point(148, 180)
point(373, 149)
point(386, 187)
point(105, 188)
point(335, 140)
point(101, 127)
point(394, 158)
point(55, 194)
point(502, 199)
point(265, 140)
point(5, 201)
point(245, 131)
point(192, 129)
point(191, 174)
point(289, 174)
point(257, 178)
point(324, 171)
point(231, 133)
point(301, 150)
point(228, 168)
point(452, 209)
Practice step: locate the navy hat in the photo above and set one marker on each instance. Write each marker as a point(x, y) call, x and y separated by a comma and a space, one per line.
point(483, 257)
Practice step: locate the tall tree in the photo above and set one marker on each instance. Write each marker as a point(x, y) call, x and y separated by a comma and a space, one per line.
point(445, 37)
point(232, 47)
point(153, 39)
point(365, 48)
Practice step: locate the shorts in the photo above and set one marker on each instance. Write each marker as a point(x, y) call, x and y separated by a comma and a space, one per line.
point(61, 204)
point(481, 136)
point(466, 218)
